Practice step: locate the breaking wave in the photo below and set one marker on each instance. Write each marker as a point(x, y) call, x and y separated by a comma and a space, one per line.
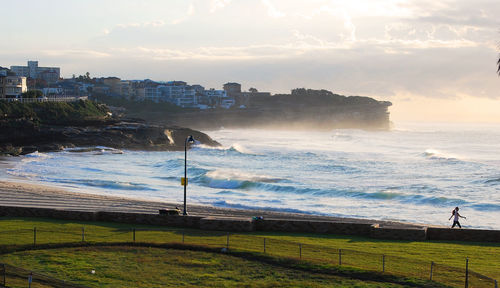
point(107, 184)
point(438, 155)
point(234, 148)
point(34, 157)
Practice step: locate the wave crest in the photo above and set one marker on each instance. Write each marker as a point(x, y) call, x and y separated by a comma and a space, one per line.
point(439, 155)
point(108, 184)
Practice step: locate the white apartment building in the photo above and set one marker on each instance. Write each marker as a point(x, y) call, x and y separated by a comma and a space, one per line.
point(152, 94)
point(49, 74)
point(14, 86)
point(188, 99)
point(218, 98)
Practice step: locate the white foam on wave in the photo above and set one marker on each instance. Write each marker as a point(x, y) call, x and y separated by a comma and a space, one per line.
point(35, 156)
point(223, 174)
point(235, 147)
point(242, 149)
point(436, 154)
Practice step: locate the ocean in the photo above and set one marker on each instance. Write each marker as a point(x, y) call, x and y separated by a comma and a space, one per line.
point(417, 172)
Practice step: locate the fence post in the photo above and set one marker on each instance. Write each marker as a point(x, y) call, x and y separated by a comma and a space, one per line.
point(227, 241)
point(467, 272)
point(383, 263)
point(432, 266)
point(300, 251)
point(264, 245)
point(133, 235)
point(30, 279)
point(34, 236)
point(83, 234)
point(340, 257)
point(496, 283)
point(5, 272)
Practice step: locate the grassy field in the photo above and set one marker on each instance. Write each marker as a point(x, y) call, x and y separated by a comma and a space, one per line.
point(401, 257)
point(155, 267)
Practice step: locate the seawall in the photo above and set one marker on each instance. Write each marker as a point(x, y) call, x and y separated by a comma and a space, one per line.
point(241, 224)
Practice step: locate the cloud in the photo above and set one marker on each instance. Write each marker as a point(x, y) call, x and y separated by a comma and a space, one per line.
point(78, 53)
point(218, 4)
point(271, 10)
point(190, 12)
point(154, 23)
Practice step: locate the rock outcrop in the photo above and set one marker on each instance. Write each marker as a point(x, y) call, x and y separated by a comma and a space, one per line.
point(23, 137)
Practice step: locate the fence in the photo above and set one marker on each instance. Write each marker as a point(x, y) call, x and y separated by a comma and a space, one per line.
point(451, 276)
point(45, 99)
point(11, 276)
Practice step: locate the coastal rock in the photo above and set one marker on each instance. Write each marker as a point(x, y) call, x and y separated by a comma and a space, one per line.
point(26, 137)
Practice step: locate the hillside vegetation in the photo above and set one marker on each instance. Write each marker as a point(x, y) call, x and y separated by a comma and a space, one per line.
point(53, 113)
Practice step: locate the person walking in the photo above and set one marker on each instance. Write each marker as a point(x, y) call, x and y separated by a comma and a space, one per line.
point(455, 215)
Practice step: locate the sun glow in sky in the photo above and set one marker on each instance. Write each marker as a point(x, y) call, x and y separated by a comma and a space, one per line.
point(435, 60)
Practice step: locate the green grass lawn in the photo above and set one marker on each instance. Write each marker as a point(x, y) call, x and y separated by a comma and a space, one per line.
point(155, 267)
point(401, 257)
point(484, 258)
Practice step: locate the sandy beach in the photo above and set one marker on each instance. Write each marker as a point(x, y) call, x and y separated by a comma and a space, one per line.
point(21, 194)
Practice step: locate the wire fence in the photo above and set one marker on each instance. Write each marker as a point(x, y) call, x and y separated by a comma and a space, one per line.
point(398, 266)
point(11, 276)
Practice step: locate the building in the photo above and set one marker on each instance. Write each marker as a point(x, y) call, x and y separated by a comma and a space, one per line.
point(173, 90)
point(48, 74)
point(54, 92)
point(188, 98)
point(232, 88)
point(242, 99)
point(14, 86)
point(219, 98)
point(3, 77)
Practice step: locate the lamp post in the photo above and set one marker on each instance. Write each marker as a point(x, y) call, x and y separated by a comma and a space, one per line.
point(189, 139)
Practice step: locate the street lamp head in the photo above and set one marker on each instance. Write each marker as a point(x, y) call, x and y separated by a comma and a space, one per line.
point(190, 139)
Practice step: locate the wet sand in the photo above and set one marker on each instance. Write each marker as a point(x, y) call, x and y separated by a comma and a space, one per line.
point(22, 194)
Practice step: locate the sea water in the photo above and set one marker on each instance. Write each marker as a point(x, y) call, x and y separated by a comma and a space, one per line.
point(413, 173)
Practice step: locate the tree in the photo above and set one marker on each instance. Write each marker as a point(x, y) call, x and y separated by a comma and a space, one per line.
point(253, 90)
point(32, 94)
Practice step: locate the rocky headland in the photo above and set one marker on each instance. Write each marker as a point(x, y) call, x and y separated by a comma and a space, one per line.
point(21, 134)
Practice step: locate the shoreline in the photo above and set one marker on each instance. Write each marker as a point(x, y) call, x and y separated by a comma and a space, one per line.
point(21, 194)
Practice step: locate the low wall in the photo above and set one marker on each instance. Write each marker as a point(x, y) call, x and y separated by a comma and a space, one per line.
point(472, 235)
point(48, 213)
point(120, 217)
point(409, 234)
point(268, 225)
point(301, 226)
point(227, 224)
point(150, 219)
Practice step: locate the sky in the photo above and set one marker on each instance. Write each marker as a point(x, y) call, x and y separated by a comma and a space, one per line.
point(434, 60)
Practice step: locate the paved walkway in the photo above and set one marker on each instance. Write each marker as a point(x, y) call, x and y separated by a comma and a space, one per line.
point(30, 195)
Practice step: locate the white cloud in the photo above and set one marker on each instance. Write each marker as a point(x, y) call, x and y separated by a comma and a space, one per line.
point(350, 27)
point(271, 10)
point(218, 4)
point(79, 53)
point(154, 23)
point(190, 12)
